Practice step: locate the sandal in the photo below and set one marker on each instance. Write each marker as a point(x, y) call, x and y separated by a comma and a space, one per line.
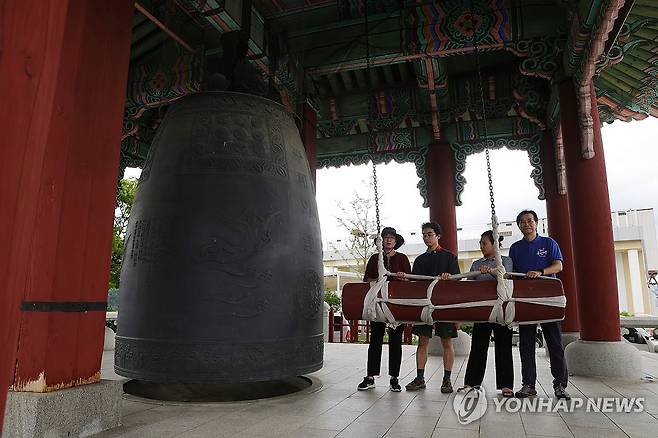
point(507, 393)
point(464, 388)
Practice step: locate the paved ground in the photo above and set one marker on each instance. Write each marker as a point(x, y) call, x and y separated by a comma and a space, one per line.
point(338, 409)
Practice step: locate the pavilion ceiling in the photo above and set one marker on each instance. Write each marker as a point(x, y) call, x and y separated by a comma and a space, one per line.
point(627, 85)
point(392, 75)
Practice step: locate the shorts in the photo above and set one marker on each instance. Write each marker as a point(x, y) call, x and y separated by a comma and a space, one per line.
point(444, 330)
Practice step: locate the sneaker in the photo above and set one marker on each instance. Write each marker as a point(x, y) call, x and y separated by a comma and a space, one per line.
point(415, 384)
point(368, 382)
point(560, 392)
point(446, 387)
point(395, 385)
point(525, 391)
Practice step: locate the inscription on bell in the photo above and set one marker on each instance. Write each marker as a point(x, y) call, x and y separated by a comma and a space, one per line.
point(230, 142)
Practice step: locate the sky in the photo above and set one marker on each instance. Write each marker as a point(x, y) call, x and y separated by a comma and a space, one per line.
point(631, 154)
point(631, 151)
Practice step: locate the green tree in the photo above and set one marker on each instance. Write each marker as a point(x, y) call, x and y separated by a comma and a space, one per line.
point(332, 298)
point(112, 300)
point(125, 199)
point(358, 219)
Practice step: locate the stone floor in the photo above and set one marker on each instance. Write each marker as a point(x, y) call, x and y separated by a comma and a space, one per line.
point(336, 408)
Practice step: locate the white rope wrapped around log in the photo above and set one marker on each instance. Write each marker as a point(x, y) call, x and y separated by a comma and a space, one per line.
point(375, 303)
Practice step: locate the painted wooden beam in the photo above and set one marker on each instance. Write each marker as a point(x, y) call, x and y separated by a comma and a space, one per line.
point(347, 81)
point(163, 27)
point(434, 105)
point(593, 51)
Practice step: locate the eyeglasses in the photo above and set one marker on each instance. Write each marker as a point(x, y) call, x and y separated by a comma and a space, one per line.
point(431, 234)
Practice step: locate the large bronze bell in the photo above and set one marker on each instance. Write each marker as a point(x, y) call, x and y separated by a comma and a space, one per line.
point(222, 273)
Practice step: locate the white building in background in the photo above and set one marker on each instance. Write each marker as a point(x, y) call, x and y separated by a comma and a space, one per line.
point(636, 255)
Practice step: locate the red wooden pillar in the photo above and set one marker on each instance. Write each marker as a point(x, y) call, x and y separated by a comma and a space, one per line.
point(331, 325)
point(64, 66)
point(309, 128)
point(441, 192)
point(593, 241)
point(559, 223)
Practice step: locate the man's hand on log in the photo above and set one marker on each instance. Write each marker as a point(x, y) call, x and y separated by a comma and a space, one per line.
point(445, 276)
point(400, 275)
point(533, 274)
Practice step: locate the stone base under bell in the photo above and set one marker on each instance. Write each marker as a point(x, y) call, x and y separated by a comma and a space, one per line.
point(79, 411)
point(461, 344)
point(603, 359)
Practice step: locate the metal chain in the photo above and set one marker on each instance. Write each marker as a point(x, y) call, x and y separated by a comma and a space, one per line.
point(494, 218)
point(374, 182)
point(484, 120)
point(374, 166)
point(486, 135)
point(491, 192)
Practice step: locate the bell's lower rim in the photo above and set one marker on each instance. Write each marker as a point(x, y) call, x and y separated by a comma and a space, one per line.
point(211, 394)
point(211, 378)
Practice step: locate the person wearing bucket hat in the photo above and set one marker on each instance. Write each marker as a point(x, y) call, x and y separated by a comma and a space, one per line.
point(394, 262)
point(390, 231)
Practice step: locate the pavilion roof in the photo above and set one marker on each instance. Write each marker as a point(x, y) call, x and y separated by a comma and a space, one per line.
point(627, 86)
point(390, 79)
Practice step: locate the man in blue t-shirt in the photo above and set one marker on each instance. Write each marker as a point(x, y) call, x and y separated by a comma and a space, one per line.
point(538, 256)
